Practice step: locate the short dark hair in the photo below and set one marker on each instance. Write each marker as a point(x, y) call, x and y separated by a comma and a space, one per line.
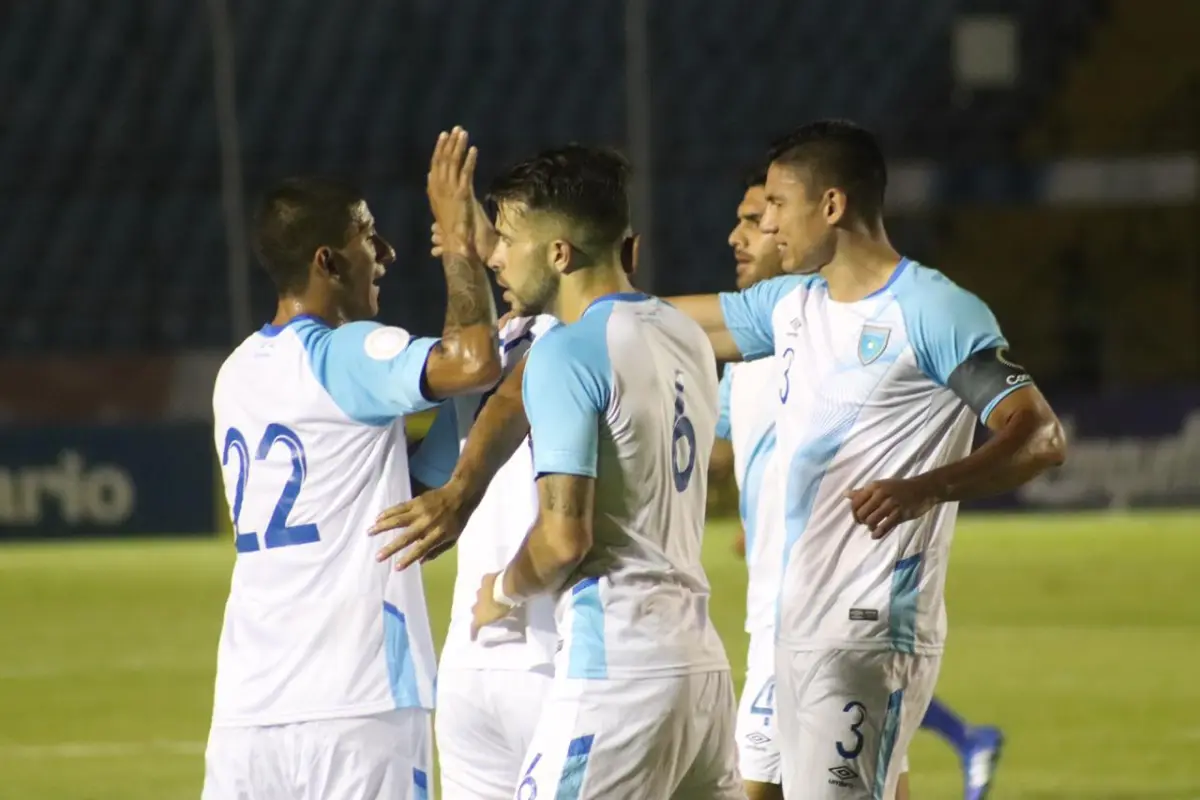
point(294, 219)
point(842, 154)
point(588, 185)
point(756, 176)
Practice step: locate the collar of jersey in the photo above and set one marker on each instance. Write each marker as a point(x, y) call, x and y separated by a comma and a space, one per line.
point(903, 265)
point(617, 297)
point(275, 330)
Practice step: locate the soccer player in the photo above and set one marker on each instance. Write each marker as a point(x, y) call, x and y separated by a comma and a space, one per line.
point(883, 366)
point(325, 666)
point(621, 402)
point(747, 410)
point(490, 689)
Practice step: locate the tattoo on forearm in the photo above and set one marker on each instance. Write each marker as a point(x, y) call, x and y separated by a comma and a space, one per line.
point(567, 497)
point(468, 293)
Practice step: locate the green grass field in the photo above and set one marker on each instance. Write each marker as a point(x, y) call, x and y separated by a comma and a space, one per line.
point(1079, 635)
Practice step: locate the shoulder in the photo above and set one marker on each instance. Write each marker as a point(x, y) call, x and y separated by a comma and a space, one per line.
point(925, 292)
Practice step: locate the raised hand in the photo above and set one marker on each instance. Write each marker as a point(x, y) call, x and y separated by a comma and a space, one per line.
point(451, 191)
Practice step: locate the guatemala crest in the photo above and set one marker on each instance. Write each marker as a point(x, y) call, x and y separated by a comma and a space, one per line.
point(872, 342)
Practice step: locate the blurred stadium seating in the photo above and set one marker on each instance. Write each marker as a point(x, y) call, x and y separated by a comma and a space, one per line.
point(110, 161)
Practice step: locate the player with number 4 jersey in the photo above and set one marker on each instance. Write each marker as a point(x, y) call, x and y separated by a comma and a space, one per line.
point(325, 666)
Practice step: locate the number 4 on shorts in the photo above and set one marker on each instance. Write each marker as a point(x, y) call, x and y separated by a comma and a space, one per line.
point(764, 702)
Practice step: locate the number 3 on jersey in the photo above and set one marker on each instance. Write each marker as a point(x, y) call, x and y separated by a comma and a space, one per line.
point(785, 388)
point(278, 533)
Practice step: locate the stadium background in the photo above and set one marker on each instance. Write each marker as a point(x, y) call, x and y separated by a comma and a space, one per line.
point(1044, 154)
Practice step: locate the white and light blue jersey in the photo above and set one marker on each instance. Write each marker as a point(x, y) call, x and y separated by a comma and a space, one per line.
point(749, 402)
point(628, 395)
point(864, 397)
point(309, 430)
point(527, 638)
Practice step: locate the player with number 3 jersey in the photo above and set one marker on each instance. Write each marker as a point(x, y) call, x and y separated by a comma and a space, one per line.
point(325, 666)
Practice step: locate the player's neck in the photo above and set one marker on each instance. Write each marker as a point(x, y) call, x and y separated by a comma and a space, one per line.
point(582, 288)
point(290, 307)
point(863, 264)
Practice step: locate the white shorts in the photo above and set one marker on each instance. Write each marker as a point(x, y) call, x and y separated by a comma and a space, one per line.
point(381, 757)
point(846, 718)
point(649, 738)
point(484, 724)
point(758, 747)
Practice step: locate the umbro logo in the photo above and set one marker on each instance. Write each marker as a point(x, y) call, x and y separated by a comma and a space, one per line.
point(796, 323)
point(843, 773)
point(758, 738)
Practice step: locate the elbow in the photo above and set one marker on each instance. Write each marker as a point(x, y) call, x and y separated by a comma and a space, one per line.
point(1048, 447)
point(477, 358)
point(569, 546)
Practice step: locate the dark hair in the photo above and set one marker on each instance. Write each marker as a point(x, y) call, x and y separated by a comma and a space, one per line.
point(754, 177)
point(840, 154)
point(293, 220)
point(585, 184)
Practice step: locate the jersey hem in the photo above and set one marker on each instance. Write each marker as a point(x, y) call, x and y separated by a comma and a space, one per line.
point(808, 645)
point(263, 720)
point(619, 674)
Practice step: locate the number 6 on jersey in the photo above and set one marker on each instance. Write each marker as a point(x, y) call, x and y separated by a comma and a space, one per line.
point(278, 533)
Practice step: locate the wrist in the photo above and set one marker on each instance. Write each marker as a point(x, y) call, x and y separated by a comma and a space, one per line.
point(462, 485)
point(500, 596)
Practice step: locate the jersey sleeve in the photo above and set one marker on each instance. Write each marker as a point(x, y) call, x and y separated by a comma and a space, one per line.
point(958, 344)
point(373, 372)
point(748, 314)
point(434, 460)
point(723, 391)
point(566, 389)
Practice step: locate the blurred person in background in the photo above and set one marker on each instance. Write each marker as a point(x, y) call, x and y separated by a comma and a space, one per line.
point(325, 667)
point(884, 367)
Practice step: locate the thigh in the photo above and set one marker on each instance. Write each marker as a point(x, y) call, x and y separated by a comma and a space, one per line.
point(245, 764)
point(606, 739)
point(381, 757)
point(485, 723)
point(845, 721)
point(708, 732)
point(757, 744)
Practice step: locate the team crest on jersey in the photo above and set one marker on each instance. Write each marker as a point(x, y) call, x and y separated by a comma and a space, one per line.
point(872, 342)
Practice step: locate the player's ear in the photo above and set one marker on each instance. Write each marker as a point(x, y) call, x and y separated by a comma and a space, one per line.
point(560, 255)
point(833, 206)
point(629, 253)
point(325, 262)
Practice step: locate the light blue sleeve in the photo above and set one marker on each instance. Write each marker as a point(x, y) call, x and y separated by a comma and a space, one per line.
point(566, 389)
point(373, 372)
point(748, 314)
point(946, 323)
point(723, 390)
point(438, 452)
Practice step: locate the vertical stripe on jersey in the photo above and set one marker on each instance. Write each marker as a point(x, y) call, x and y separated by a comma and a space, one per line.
point(587, 657)
point(756, 464)
point(402, 673)
point(570, 785)
point(887, 742)
point(902, 609)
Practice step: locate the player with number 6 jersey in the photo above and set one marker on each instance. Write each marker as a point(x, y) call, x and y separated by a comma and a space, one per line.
point(325, 666)
point(621, 403)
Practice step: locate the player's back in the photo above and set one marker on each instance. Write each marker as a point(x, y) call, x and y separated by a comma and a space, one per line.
point(314, 627)
point(638, 605)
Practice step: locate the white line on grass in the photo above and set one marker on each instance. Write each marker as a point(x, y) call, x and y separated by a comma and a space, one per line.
point(100, 749)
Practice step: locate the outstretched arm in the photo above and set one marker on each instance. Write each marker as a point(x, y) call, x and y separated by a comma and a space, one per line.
point(705, 310)
point(433, 521)
point(739, 324)
point(466, 359)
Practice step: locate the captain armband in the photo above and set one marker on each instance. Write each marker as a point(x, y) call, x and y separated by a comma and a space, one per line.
point(985, 378)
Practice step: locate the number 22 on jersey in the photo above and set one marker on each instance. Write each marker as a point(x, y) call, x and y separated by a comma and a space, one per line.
point(278, 532)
